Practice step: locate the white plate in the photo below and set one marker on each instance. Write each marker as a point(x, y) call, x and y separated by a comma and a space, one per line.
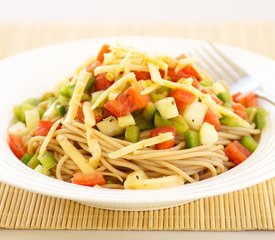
point(33, 73)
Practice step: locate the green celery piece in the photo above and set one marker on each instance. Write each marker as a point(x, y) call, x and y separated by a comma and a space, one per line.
point(149, 111)
point(249, 143)
point(48, 161)
point(95, 96)
point(132, 133)
point(225, 97)
point(177, 122)
point(42, 170)
point(191, 138)
point(229, 121)
point(61, 109)
point(85, 97)
point(143, 124)
point(67, 91)
point(25, 107)
point(251, 113)
point(34, 162)
point(260, 118)
point(32, 101)
point(157, 96)
point(17, 111)
point(26, 158)
point(90, 84)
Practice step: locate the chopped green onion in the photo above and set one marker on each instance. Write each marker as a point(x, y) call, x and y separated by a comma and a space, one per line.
point(251, 113)
point(85, 97)
point(67, 91)
point(249, 143)
point(39, 168)
point(48, 161)
point(132, 134)
point(191, 138)
point(61, 109)
point(26, 158)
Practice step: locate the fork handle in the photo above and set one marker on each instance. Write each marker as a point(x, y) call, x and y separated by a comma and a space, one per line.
point(266, 96)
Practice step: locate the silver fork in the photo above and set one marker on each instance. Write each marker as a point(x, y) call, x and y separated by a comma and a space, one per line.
point(238, 79)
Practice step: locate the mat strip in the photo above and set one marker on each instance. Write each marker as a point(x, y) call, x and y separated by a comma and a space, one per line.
point(249, 209)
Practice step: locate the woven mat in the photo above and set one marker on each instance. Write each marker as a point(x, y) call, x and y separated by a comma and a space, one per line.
point(249, 209)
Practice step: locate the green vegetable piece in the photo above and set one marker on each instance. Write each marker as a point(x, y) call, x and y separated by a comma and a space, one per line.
point(90, 84)
point(48, 161)
point(17, 111)
point(157, 96)
point(149, 111)
point(178, 122)
point(85, 97)
point(42, 170)
point(34, 162)
point(95, 96)
point(260, 118)
point(132, 133)
point(229, 121)
point(225, 97)
point(32, 101)
point(249, 143)
point(26, 158)
point(191, 138)
point(25, 107)
point(61, 109)
point(251, 112)
point(143, 124)
point(67, 91)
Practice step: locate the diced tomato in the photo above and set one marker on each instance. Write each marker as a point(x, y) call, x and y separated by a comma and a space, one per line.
point(91, 68)
point(182, 98)
point(247, 99)
point(44, 127)
point(162, 73)
point(176, 76)
point(128, 101)
point(102, 83)
point(212, 118)
point(17, 146)
point(240, 110)
point(141, 75)
point(79, 114)
point(236, 152)
point(191, 71)
point(104, 49)
point(167, 144)
point(196, 83)
point(236, 97)
point(98, 114)
point(90, 179)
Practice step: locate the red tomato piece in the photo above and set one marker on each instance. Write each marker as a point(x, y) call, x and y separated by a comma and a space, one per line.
point(176, 76)
point(212, 118)
point(102, 83)
point(248, 99)
point(104, 49)
point(98, 112)
point(236, 97)
point(91, 68)
point(240, 110)
point(90, 179)
point(128, 101)
point(182, 98)
point(44, 127)
point(236, 152)
point(141, 75)
point(191, 71)
point(166, 144)
point(79, 114)
point(17, 146)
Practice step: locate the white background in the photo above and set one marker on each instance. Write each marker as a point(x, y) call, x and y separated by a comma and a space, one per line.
point(145, 11)
point(76, 11)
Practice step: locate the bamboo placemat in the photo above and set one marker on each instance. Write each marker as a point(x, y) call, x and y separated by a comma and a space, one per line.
point(249, 209)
